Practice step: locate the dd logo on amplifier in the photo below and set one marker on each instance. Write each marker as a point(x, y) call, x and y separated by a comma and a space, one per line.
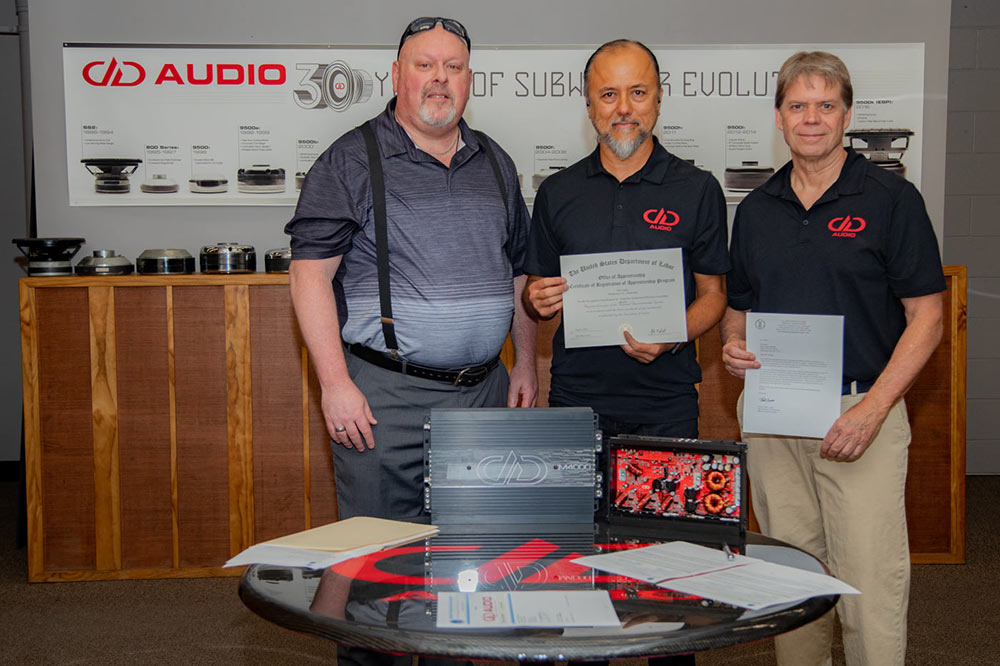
point(335, 85)
point(511, 470)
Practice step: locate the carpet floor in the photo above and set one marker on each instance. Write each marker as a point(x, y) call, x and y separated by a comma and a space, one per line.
point(954, 614)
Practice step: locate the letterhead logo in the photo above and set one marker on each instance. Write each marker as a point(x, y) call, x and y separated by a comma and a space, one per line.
point(662, 219)
point(110, 73)
point(336, 86)
point(846, 227)
point(512, 469)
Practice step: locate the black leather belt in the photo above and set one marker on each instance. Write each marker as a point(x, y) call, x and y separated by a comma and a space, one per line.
point(469, 376)
point(863, 386)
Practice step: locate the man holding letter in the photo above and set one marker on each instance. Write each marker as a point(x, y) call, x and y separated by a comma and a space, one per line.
point(629, 194)
point(833, 234)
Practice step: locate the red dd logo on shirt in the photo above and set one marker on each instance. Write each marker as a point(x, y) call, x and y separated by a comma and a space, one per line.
point(662, 219)
point(846, 227)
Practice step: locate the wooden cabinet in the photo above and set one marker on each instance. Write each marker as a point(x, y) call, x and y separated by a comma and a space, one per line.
point(170, 422)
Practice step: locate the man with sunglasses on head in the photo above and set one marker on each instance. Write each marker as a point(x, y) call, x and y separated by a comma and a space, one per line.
point(420, 324)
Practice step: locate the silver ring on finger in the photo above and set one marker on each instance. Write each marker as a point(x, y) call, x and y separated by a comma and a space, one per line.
point(340, 429)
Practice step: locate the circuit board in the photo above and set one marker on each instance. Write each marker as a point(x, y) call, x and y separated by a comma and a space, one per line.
point(683, 484)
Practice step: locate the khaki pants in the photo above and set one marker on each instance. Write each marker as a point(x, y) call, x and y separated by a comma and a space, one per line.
point(852, 517)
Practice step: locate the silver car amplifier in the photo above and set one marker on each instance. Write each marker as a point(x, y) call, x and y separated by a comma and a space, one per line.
point(511, 467)
point(509, 489)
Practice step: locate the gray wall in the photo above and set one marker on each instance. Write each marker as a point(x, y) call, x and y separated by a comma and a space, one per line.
point(130, 230)
point(560, 22)
point(13, 221)
point(972, 212)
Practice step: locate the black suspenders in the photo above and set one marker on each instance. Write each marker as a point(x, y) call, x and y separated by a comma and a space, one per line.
point(382, 236)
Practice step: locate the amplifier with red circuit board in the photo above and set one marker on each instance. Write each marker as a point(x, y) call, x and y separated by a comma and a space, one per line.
point(665, 488)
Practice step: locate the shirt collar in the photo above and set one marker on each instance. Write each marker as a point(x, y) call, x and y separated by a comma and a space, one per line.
point(850, 181)
point(654, 170)
point(393, 139)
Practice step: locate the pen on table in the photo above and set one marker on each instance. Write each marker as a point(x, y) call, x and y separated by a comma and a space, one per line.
point(729, 553)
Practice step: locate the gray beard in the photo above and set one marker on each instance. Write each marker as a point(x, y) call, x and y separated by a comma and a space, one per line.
point(425, 116)
point(623, 149)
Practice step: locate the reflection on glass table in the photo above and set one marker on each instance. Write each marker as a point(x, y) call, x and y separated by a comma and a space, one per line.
point(388, 600)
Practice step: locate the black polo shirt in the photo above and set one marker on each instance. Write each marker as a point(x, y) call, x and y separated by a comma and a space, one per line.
point(864, 245)
point(666, 204)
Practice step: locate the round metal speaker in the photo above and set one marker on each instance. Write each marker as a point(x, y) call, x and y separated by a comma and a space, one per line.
point(228, 258)
point(161, 261)
point(278, 260)
point(104, 262)
point(49, 256)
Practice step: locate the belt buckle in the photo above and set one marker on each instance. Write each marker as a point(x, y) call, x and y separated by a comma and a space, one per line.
point(469, 374)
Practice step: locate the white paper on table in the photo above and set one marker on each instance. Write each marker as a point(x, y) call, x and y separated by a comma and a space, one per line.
point(573, 608)
point(796, 391)
point(653, 564)
point(741, 581)
point(639, 291)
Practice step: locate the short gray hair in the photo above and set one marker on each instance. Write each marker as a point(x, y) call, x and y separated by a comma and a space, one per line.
point(819, 63)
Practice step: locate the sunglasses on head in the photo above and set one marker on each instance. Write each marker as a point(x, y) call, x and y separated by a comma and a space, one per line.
point(428, 22)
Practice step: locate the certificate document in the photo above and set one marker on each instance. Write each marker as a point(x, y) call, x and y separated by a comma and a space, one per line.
point(641, 291)
point(796, 390)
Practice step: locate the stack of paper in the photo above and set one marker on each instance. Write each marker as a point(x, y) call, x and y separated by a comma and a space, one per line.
point(733, 579)
point(325, 546)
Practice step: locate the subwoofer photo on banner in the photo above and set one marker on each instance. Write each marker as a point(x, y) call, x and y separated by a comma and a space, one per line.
point(208, 184)
point(111, 174)
point(747, 176)
point(882, 146)
point(159, 183)
point(261, 179)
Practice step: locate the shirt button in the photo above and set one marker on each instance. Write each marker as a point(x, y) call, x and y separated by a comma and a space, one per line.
point(619, 206)
point(805, 223)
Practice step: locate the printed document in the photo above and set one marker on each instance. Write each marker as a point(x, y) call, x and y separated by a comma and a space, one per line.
point(796, 390)
point(741, 581)
point(640, 291)
point(573, 608)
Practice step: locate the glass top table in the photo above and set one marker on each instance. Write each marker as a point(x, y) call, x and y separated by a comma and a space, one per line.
point(386, 601)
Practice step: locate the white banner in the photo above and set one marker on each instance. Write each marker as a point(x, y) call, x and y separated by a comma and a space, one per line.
point(202, 125)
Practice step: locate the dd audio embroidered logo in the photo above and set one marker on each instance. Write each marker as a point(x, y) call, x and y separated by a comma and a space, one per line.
point(103, 73)
point(112, 73)
point(846, 227)
point(661, 220)
point(336, 86)
point(512, 470)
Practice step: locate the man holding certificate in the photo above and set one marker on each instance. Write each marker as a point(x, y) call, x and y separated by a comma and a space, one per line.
point(658, 224)
point(833, 234)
